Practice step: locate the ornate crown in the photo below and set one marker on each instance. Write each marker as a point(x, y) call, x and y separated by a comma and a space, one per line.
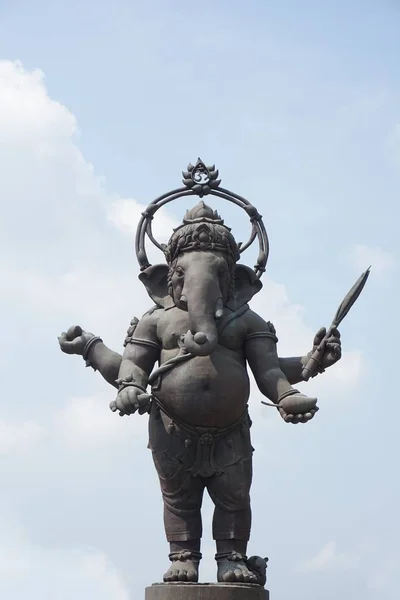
point(202, 229)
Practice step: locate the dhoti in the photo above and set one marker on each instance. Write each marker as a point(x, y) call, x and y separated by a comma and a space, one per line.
point(191, 459)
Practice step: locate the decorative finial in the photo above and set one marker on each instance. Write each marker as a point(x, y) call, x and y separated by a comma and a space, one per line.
point(202, 212)
point(200, 178)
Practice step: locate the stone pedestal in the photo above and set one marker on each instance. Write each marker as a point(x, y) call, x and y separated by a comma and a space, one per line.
point(206, 591)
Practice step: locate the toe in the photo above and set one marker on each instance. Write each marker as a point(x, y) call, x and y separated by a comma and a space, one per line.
point(174, 575)
point(239, 575)
point(182, 575)
point(229, 576)
point(191, 575)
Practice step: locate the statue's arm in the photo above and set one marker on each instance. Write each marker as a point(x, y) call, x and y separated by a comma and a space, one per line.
point(106, 362)
point(96, 354)
point(142, 351)
point(292, 367)
point(273, 374)
point(93, 350)
point(141, 344)
point(138, 360)
point(260, 351)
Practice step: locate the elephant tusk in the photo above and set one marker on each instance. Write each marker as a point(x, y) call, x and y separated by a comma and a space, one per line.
point(219, 309)
point(183, 301)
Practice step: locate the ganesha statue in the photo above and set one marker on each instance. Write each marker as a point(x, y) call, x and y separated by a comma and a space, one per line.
point(184, 365)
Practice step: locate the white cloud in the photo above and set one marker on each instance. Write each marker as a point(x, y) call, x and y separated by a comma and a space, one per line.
point(348, 370)
point(59, 256)
point(361, 257)
point(274, 304)
point(19, 437)
point(91, 294)
point(377, 574)
point(329, 558)
point(125, 215)
point(27, 568)
point(86, 423)
point(385, 579)
point(27, 114)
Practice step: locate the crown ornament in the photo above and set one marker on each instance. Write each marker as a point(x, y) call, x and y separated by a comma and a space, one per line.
point(200, 178)
point(202, 227)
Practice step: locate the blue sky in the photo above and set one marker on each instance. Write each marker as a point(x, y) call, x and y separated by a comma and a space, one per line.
point(298, 106)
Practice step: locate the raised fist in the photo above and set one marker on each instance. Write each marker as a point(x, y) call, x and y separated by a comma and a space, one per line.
point(74, 340)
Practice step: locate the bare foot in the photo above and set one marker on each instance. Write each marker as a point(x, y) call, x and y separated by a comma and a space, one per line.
point(232, 568)
point(185, 566)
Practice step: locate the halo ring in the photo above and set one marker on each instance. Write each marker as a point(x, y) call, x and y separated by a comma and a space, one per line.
point(258, 229)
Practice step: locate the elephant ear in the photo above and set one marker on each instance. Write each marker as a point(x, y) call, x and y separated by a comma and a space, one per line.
point(246, 286)
point(155, 280)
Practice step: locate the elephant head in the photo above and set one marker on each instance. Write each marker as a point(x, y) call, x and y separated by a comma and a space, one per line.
point(201, 277)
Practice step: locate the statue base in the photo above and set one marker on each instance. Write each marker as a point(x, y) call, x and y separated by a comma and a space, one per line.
point(206, 591)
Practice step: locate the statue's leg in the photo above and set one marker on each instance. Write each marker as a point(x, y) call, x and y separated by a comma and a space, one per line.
point(230, 492)
point(183, 526)
point(182, 496)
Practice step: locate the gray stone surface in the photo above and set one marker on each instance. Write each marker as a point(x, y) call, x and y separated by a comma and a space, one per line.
point(205, 591)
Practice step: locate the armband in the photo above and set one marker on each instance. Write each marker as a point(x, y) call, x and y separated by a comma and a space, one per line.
point(286, 395)
point(141, 342)
point(131, 330)
point(261, 334)
point(89, 345)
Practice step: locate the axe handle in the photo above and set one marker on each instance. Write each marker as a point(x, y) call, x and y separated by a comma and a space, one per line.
point(316, 357)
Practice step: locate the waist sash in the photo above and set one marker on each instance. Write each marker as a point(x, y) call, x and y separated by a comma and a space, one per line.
point(205, 464)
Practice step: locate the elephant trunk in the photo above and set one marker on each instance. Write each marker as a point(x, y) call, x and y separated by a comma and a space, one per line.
point(203, 307)
point(201, 344)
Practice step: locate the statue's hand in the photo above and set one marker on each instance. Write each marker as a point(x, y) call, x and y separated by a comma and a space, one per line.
point(297, 408)
point(333, 347)
point(299, 418)
point(74, 340)
point(130, 400)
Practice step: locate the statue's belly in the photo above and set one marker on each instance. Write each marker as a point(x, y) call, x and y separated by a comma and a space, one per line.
point(209, 391)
